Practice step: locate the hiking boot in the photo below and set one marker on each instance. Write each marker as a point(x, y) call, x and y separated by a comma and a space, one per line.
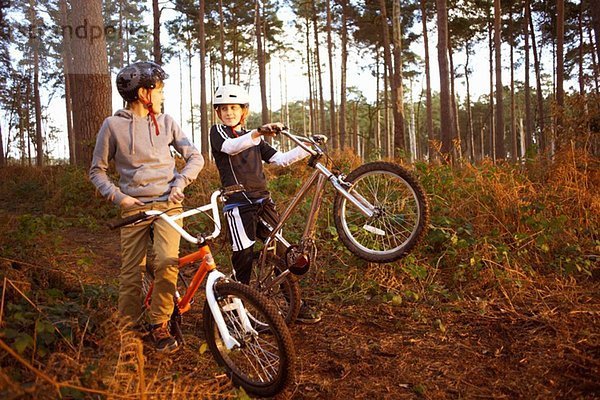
point(162, 339)
point(308, 314)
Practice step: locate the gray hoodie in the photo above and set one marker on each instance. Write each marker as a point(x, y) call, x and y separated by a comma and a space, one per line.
point(144, 160)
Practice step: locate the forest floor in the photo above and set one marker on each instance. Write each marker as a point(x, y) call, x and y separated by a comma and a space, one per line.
point(541, 342)
point(502, 333)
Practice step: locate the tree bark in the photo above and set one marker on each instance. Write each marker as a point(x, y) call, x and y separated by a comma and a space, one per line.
point(399, 139)
point(560, 65)
point(34, 42)
point(92, 87)
point(447, 119)
point(67, 58)
point(540, 98)
point(580, 50)
point(310, 81)
point(222, 41)
point(332, 119)
point(189, 65)
point(430, 135)
point(261, 65)
point(156, 32)
point(456, 138)
point(203, 108)
point(500, 152)
point(470, 134)
point(492, 137)
point(318, 65)
point(595, 11)
point(528, 114)
point(513, 125)
point(343, 77)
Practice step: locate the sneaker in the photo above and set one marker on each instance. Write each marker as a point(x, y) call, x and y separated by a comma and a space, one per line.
point(163, 341)
point(308, 314)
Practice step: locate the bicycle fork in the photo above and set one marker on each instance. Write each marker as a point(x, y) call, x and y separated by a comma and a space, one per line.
point(236, 305)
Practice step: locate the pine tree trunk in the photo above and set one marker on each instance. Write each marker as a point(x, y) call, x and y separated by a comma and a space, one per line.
point(67, 66)
point(34, 43)
point(594, 62)
point(500, 151)
point(156, 32)
point(311, 125)
point(318, 65)
point(560, 66)
point(595, 12)
point(540, 98)
point(92, 87)
point(190, 55)
point(456, 139)
point(399, 139)
point(222, 41)
point(513, 122)
point(528, 114)
point(2, 157)
point(470, 139)
point(342, 116)
point(261, 65)
point(447, 119)
point(491, 137)
point(580, 50)
point(332, 118)
point(429, 105)
point(203, 107)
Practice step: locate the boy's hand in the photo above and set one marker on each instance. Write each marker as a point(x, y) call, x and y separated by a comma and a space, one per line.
point(176, 195)
point(129, 201)
point(271, 129)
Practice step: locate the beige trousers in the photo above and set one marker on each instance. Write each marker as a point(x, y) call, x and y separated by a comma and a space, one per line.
point(134, 246)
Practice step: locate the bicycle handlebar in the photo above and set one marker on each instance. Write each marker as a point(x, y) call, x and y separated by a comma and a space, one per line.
point(171, 219)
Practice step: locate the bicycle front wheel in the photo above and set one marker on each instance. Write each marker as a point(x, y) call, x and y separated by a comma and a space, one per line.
point(263, 364)
point(401, 212)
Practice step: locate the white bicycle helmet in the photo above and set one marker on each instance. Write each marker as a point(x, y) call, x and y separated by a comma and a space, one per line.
point(230, 94)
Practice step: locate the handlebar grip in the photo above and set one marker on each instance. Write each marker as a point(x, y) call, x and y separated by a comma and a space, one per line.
point(128, 220)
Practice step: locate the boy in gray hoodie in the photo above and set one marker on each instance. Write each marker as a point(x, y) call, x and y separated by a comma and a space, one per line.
point(139, 139)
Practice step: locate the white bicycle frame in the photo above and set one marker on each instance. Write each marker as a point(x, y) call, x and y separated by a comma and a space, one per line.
point(213, 275)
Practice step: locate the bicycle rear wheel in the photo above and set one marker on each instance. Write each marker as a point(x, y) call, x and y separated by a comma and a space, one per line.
point(263, 364)
point(401, 212)
point(285, 294)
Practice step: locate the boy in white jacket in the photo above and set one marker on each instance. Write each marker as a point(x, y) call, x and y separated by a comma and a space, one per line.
point(239, 155)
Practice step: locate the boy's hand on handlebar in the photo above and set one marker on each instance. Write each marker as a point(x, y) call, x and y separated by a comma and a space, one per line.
point(129, 201)
point(176, 195)
point(271, 129)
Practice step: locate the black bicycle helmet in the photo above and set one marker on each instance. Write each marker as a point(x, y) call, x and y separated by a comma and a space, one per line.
point(142, 74)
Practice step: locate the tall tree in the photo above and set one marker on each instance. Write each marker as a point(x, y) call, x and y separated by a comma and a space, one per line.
point(399, 141)
point(447, 117)
point(156, 51)
point(92, 87)
point(560, 63)
point(499, 148)
point(318, 68)
point(538, 79)
point(203, 108)
point(344, 34)
point(332, 119)
point(428, 102)
point(262, 76)
point(528, 114)
point(35, 42)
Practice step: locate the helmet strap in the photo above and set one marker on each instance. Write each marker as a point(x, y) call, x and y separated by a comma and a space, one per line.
point(148, 106)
